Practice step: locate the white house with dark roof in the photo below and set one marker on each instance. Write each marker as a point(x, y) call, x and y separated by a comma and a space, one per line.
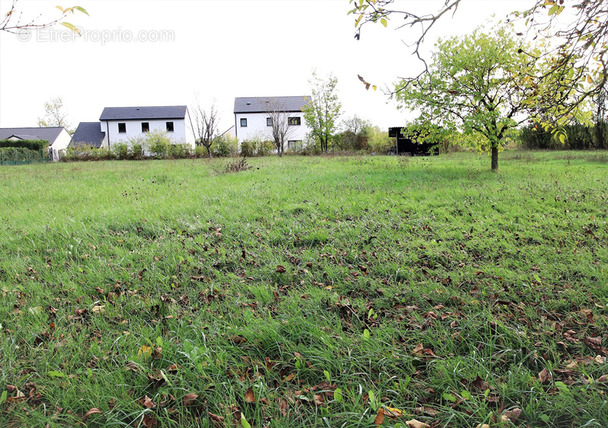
point(252, 118)
point(57, 136)
point(122, 124)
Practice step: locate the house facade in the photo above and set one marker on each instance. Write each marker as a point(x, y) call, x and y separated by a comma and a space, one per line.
point(252, 118)
point(123, 124)
point(57, 136)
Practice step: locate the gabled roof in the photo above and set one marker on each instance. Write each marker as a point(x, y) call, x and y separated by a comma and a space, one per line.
point(88, 134)
point(264, 104)
point(49, 134)
point(142, 113)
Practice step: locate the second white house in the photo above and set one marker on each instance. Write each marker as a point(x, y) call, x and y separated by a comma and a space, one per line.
point(252, 118)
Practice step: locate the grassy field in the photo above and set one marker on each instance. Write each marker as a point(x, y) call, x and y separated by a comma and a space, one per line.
point(330, 292)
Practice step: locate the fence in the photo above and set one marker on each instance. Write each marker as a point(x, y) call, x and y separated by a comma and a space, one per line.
point(22, 157)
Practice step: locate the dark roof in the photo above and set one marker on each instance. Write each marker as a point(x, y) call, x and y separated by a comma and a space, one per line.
point(261, 104)
point(49, 134)
point(138, 113)
point(88, 134)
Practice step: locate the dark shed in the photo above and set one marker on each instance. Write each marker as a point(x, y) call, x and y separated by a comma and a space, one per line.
point(407, 145)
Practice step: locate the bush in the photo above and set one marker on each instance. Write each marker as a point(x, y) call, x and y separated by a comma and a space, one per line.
point(579, 137)
point(179, 151)
point(21, 154)
point(237, 165)
point(120, 151)
point(257, 146)
point(86, 153)
point(225, 146)
point(158, 142)
point(200, 152)
point(35, 145)
point(137, 151)
point(379, 141)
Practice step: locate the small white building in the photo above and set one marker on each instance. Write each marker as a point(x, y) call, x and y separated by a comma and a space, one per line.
point(252, 118)
point(122, 124)
point(57, 136)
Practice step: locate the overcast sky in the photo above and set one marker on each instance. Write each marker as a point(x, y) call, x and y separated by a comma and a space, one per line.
point(155, 52)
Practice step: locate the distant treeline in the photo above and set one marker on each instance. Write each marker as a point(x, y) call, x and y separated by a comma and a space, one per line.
point(580, 137)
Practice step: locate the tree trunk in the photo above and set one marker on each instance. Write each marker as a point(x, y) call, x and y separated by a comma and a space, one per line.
point(209, 151)
point(495, 158)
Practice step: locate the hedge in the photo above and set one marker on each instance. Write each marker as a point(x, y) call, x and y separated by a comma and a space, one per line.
point(36, 145)
point(20, 154)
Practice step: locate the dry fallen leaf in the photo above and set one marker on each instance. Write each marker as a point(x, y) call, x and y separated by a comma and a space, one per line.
point(393, 413)
point(482, 426)
point(149, 421)
point(148, 403)
point(189, 399)
point(280, 269)
point(379, 420)
point(93, 411)
point(250, 396)
point(511, 415)
point(216, 419)
point(283, 406)
point(545, 376)
point(416, 424)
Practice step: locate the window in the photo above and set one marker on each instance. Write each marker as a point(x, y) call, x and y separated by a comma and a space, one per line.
point(269, 121)
point(294, 121)
point(170, 127)
point(294, 144)
point(145, 127)
point(122, 128)
point(244, 122)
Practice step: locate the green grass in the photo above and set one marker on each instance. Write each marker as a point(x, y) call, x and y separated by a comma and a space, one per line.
point(329, 288)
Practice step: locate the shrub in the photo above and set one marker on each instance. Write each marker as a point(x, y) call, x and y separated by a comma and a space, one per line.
point(257, 146)
point(21, 154)
point(179, 151)
point(35, 145)
point(158, 142)
point(137, 151)
point(225, 146)
point(86, 153)
point(237, 165)
point(120, 151)
point(200, 152)
point(579, 137)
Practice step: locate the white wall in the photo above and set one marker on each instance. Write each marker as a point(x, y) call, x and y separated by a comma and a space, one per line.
point(61, 143)
point(256, 126)
point(110, 127)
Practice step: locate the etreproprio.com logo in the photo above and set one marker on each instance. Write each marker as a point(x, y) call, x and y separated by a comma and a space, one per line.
point(119, 35)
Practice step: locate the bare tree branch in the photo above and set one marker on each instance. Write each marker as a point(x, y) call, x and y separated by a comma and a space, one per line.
point(205, 126)
point(13, 21)
point(279, 122)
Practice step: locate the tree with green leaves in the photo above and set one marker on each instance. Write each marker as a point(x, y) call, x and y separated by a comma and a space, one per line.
point(323, 110)
point(576, 64)
point(13, 20)
point(54, 114)
point(481, 85)
point(354, 134)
